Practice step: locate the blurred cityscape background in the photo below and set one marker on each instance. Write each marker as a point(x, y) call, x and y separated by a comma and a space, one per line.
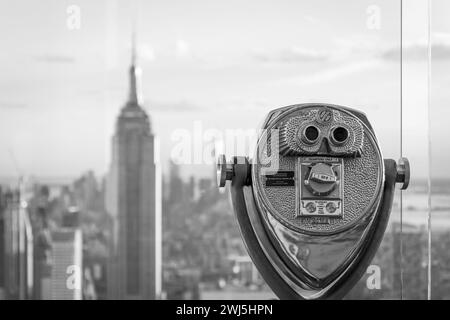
point(61, 224)
point(94, 206)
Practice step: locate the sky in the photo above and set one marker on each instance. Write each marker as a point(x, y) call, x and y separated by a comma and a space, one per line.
point(212, 64)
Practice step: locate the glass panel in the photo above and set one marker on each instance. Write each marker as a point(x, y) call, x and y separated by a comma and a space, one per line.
point(439, 113)
point(376, 91)
point(412, 265)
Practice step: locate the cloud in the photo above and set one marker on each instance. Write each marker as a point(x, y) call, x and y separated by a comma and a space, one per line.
point(179, 106)
point(331, 73)
point(440, 49)
point(178, 50)
point(182, 48)
point(12, 105)
point(55, 58)
point(238, 103)
point(146, 52)
point(292, 55)
point(311, 19)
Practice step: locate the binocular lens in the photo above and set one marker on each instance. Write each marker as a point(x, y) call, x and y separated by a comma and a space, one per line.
point(310, 134)
point(339, 135)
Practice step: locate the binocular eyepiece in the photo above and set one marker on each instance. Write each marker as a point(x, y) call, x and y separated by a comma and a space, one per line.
point(314, 202)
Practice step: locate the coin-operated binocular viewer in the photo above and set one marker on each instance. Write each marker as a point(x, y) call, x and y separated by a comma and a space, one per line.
point(314, 203)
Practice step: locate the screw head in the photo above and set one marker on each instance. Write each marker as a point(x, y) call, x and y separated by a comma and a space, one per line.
point(221, 170)
point(403, 173)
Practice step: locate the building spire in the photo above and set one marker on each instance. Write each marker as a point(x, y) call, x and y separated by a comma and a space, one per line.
point(133, 47)
point(134, 94)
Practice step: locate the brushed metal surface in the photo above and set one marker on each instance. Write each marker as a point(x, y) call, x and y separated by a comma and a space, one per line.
point(362, 181)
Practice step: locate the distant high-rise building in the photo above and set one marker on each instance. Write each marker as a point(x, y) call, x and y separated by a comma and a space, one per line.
point(38, 206)
point(17, 243)
point(42, 256)
point(67, 271)
point(87, 193)
point(71, 218)
point(133, 200)
point(2, 244)
point(177, 191)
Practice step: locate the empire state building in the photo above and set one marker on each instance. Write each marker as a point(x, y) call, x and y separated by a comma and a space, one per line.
point(133, 200)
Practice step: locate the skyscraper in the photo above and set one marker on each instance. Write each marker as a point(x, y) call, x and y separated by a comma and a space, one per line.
point(133, 199)
point(17, 249)
point(67, 268)
point(2, 244)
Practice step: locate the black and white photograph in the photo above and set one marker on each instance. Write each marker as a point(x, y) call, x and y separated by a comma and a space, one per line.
point(227, 151)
